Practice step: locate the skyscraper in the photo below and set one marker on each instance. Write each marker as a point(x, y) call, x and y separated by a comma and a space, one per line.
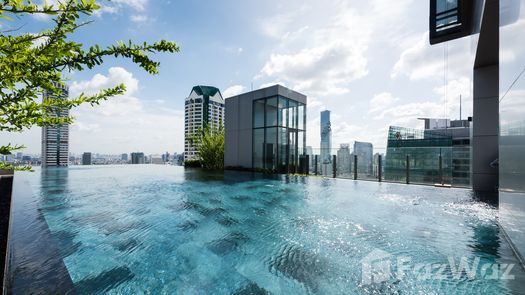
point(137, 158)
point(86, 159)
point(344, 160)
point(55, 139)
point(326, 138)
point(204, 106)
point(365, 157)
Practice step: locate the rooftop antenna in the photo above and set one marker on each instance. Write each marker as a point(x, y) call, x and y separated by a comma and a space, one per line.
point(460, 107)
point(252, 86)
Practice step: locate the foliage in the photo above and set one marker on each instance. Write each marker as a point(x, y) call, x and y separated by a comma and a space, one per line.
point(210, 147)
point(33, 63)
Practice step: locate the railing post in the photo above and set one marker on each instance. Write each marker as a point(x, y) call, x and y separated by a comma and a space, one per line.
point(334, 165)
point(408, 170)
point(316, 171)
point(307, 165)
point(355, 167)
point(379, 168)
point(441, 170)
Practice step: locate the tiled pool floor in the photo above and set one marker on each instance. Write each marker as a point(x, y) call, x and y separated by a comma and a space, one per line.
point(164, 230)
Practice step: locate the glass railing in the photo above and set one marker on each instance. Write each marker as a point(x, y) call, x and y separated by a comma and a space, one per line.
point(439, 166)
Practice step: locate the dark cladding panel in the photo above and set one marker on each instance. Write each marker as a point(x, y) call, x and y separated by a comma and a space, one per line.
point(450, 19)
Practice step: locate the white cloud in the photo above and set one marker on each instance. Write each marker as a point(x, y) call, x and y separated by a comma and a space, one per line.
point(510, 49)
point(138, 5)
point(124, 123)
point(454, 89)
point(116, 76)
point(423, 61)
point(233, 90)
point(314, 103)
point(86, 127)
point(381, 101)
point(277, 25)
point(110, 8)
point(329, 62)
point(139, 18)
point(511, 107)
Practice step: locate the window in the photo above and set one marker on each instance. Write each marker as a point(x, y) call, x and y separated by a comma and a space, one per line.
point(276, 138)
point(449, 19)
point(258, 113)
point(271, 111)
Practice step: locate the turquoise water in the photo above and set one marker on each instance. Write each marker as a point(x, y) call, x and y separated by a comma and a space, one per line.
point(162, 230)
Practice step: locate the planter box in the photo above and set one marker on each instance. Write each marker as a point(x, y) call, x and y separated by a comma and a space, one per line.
point(6, 172)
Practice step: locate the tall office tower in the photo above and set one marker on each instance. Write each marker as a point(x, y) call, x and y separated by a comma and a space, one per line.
point(137, 158)
point(86, 159)
point(124, 157)
point(326, 138)
point(204, 107)
point(344, 160)
point(365, 157)
point(55, 139)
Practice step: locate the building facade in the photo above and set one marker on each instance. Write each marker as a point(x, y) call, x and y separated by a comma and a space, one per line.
point(437, 155)
point(86, 159)
point(137, 158)
point(55, 138)
point(265, 129)
point(365, 158)
point(326, 138)
point(344, 160)
point(203, 107)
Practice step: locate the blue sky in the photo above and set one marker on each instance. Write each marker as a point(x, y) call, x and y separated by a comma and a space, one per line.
point(369, 62)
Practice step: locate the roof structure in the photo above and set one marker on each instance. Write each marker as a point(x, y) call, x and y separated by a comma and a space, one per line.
point(205, 90)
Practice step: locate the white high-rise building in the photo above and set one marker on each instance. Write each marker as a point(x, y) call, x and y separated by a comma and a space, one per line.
point(55, 139)
point(204, 106)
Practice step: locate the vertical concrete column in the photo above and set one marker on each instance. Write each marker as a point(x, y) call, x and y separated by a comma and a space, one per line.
point(485, 129)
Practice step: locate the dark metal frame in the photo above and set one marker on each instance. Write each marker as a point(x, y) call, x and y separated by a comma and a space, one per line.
point(462, 27)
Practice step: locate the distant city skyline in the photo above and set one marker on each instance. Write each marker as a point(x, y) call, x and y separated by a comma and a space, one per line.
point(375, 77)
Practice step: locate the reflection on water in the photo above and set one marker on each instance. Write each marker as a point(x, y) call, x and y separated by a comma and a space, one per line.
point(163, 229)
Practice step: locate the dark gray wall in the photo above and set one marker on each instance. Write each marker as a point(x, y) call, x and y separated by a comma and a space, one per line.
point(238, 123)
point(486, 102)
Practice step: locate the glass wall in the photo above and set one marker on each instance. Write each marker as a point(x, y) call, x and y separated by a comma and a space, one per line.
point(433, 157)
point(279, 135)
point(512, 122)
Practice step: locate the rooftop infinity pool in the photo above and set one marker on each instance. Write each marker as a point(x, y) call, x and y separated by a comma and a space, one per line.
point(164, 230)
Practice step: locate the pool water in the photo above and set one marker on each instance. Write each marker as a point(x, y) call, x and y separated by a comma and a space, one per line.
point(165, 230)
